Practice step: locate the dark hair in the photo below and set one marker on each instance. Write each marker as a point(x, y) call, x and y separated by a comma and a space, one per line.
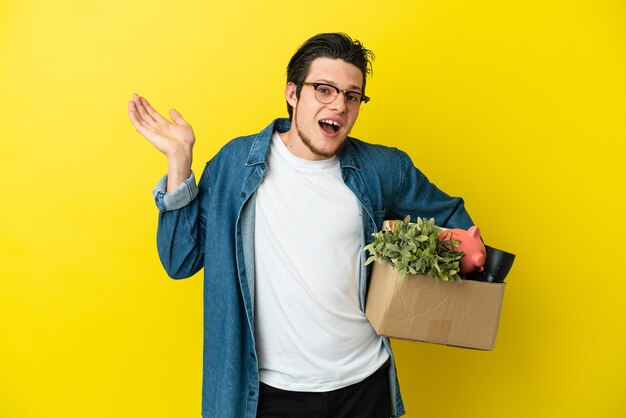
point(327, 45)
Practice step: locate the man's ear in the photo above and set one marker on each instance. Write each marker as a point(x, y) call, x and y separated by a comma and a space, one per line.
point(290, 94)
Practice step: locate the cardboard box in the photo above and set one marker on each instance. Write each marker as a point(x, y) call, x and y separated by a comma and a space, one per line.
point(420, 308)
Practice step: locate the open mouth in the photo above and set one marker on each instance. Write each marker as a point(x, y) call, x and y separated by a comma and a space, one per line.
point(329, 126)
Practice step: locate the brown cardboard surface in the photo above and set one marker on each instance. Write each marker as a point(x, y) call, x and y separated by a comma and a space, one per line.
point(420, 308)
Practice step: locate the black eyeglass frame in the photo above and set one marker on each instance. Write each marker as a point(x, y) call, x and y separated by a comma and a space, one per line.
point(364, 98)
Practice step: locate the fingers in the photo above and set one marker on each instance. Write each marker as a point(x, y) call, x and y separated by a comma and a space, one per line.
point(142, 113)
point(177, 117)
point(157, 129)
point(135, 119)
point(153, 113)
point(144, 126)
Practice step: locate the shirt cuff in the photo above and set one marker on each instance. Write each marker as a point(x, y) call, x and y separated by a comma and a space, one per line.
point(181, 197)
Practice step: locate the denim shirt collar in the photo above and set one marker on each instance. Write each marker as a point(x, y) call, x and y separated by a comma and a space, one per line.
point(260, 147)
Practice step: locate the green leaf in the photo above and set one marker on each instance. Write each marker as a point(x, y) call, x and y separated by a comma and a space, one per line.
point(416, 248)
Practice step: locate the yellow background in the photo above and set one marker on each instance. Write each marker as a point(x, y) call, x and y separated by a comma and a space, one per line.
point(518, 106)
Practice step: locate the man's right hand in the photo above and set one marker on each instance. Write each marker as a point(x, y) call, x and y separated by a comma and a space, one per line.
point(175, 140)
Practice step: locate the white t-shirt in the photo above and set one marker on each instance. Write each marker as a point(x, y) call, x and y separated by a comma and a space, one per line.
point(310, 332)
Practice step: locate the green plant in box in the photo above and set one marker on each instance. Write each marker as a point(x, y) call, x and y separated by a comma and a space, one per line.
point(415, 248)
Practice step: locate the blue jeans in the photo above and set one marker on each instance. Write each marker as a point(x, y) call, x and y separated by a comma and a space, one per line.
point(366, 399)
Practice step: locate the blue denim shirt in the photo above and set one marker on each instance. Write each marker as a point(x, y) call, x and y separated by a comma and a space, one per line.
point(212, 226)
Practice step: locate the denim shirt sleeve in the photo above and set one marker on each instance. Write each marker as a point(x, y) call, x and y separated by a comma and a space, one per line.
point(181, 197)
point(182, 220)
point(417, 196)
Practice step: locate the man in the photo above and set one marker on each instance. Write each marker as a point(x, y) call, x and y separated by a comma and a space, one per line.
point(278, 221)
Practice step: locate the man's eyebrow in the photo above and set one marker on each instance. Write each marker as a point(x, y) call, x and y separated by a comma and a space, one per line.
point(351, 87)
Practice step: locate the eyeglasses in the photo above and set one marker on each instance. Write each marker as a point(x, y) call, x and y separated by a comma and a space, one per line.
point(326, 94)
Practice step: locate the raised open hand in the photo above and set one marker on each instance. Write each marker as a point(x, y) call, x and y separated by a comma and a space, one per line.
point(169, 138)
point(174, 139)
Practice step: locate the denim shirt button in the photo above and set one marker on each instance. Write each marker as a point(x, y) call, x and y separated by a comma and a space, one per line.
point(243, 194)
point(251, 393)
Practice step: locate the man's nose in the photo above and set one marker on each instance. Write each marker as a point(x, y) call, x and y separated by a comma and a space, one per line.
point(340, 103)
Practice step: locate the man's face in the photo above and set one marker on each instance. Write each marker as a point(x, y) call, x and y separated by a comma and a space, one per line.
point(318, 130)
